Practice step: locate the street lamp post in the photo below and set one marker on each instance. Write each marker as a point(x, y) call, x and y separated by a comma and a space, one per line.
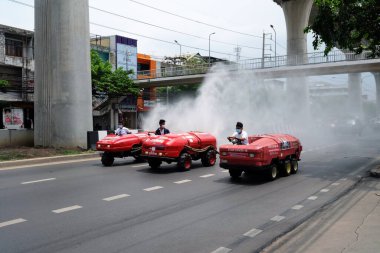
point(275, 46)
point(209, 36)
point(180, 48)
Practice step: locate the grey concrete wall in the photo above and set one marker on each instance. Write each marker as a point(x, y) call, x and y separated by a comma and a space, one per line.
point(16, 138)
point(63, 110)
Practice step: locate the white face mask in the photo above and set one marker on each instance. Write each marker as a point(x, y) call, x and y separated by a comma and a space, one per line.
point(238, 130)
point(162, 126)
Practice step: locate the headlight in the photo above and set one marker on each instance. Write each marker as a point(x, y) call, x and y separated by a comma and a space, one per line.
point(108, 146)
point(99, 145)
point(251, 155)
point(146, 152)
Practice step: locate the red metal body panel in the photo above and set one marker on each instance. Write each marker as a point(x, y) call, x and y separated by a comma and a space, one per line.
point(261, 151)
point(115, 143)
point(170, 146)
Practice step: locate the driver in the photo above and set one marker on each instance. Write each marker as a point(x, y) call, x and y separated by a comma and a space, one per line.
point(121, 130)
point(240, 137)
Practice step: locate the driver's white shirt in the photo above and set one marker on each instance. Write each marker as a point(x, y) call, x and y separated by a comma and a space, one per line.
point(243, 135)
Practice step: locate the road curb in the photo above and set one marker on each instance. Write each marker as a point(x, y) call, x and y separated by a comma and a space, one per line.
point(42, 160)
point(375, 172)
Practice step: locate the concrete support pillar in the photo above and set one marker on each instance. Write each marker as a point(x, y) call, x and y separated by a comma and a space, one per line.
point(297, 13)
point(63, 109)
point(377, 80)
point(355, 94)
point(2, 47)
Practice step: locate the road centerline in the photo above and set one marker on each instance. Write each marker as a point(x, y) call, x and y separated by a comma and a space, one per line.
point(183, 181)
point(253, 232)
point(153, 188)
point(38, 181)
point(297, 207)
point(66, 209)
point(222, 250)
point(116, 197)
point(11, 222)
point(207, 175)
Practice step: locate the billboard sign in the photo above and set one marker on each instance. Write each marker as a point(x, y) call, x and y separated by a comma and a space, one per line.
point(13, 118)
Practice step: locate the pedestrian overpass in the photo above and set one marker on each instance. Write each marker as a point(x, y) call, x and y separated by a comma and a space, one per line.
point(311, 64)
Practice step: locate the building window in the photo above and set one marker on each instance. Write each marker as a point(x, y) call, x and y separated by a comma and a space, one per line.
point(13, 47)
point(146, 94)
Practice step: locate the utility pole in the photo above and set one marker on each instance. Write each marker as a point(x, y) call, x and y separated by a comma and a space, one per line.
point(209, 36)
point(262, 59)
point(275, 46)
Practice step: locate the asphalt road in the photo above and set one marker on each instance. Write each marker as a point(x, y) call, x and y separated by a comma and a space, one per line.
point(85, 207)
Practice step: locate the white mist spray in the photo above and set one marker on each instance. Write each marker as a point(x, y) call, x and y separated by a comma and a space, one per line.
point(230, 96)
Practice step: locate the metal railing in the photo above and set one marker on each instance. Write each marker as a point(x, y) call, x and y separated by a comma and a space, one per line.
point(257, 63)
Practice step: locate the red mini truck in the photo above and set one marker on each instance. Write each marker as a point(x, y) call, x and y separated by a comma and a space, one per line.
point(121, 146)
point(180, 148)
point(271, 153)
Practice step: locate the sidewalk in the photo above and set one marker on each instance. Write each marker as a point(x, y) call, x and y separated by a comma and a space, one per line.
point(350, 225)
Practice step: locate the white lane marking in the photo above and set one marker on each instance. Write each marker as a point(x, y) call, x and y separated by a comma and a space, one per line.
point(141, 165)
point(277, 218)
point(66, 209)
point(37, 181)
point(153, 188)
point(335, 184)
point(183, 181)
point(343, 179)
point(325, 190)
point(47, 163)
point(116, 197)
point(221, 250)
point(297, 207)
point(208, 175)
point(11, 222)
point(312, 197)
point(253, 232)
point(225, 171)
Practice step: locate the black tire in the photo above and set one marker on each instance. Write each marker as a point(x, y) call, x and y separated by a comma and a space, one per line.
point(235, 174)
point(209, 158)
point(294, 165)
point(184, 162)
point(286, 169)
point(107, 159)
point(272, 172)
point(138, 158)
point(154, 164)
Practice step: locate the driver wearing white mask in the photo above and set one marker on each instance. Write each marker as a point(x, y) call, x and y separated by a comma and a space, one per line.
point(240, 136)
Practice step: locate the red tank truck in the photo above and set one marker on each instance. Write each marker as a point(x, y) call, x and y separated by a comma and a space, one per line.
point(121, 146)
point(180, 148)
point(271, 153)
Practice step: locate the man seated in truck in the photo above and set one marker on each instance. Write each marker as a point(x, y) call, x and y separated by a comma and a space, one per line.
point(162, 130)
point(240, 137)
point(121, 130)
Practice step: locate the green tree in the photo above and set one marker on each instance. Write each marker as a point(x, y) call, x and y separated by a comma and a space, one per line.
point(347, 24)
point(116, 82)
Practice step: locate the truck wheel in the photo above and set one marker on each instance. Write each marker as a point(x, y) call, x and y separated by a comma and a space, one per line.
point(107, 159)
point(138, 158)
point(209, 158)
point(154, 164)
point(272, 172)
point(294, 165)
point(286, 169)
point(184, 161)
point(235, 174)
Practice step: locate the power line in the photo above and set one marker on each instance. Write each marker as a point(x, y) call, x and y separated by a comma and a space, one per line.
point(164, 41)
point(196, 21)
point(165, 28)
point(136, 34)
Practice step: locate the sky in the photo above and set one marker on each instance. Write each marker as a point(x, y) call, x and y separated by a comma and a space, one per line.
point(243, 16)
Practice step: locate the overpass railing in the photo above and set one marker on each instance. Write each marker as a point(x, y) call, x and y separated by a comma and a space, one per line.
point(257, 63)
